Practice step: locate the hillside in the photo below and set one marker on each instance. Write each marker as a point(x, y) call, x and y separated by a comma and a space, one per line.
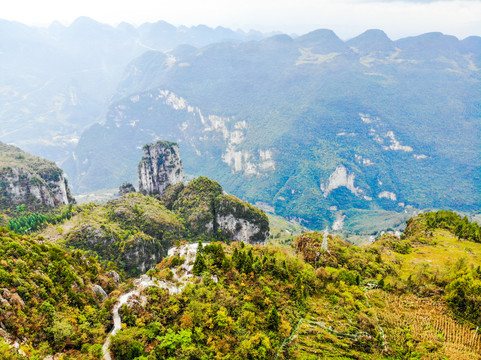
point(201, 282)
point(52, 300)
point(347, 302)
point(410, 297)
point(30, 181)
point(315, 127)
point(135, 231)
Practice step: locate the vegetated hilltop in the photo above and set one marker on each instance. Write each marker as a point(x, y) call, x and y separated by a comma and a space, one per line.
point(381, 301)
point(136, 230)
point(315, 127)
point(30, 181)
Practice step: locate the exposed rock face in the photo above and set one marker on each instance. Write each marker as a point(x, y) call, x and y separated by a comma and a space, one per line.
point(115, 277)
point(13, 298)
point(240, 221)
point(340, 177)
point(30, 180)
point(100, 291)
point(160, 167)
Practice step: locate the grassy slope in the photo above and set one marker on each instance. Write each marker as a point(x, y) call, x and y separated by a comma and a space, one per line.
point(444, 250)
point(13, 156)
point(412, 313)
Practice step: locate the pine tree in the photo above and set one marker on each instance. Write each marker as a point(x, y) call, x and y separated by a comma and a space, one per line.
point(241, 260)
point(247, 268)
point(199, 265)
point(235, 258)
point(273, 319)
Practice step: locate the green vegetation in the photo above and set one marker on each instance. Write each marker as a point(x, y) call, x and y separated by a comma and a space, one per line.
point(47, 297)
point(264, 302)
point(31, 222)
point(461, 226)
point(135, 231)
point(283, 231)
point(241, 306)
point(196, 204)
point(13, 157)
point(418, 140)
point(204, 207)
point(400, 310)
point(417, 296)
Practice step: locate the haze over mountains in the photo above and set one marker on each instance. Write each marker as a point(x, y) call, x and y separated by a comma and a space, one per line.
point(319, 129)
point(56, 81)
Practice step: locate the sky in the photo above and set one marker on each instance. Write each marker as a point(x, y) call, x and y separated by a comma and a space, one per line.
point(348, 18)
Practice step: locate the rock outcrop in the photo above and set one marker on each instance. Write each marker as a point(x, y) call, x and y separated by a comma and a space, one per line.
point(30, 180)
point(238, 220)
point(340, 177)
point(160, 167)
point(209, 212)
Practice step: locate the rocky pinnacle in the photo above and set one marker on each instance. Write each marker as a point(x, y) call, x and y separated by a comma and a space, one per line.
point(160, 167)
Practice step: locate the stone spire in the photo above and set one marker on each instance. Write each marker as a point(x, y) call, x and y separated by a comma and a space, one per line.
point(160, 167)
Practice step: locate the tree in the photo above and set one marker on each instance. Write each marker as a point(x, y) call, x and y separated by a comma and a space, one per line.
point(199, 265)
point(127, 345)
point(273, 319)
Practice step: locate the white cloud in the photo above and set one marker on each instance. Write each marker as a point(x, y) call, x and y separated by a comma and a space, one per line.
point(347, 18)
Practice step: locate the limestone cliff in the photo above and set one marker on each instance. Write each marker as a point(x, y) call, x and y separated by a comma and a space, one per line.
point(160, 167)
point(240, 221)
point(30, 180)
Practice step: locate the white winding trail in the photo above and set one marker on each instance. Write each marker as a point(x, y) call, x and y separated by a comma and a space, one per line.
point(175, 286)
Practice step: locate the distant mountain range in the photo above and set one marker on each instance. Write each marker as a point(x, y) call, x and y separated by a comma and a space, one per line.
point(56, 81)
point(312, 126)
point(322, 131)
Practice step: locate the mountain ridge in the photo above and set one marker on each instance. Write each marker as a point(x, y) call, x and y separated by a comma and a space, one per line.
point(245, 111)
